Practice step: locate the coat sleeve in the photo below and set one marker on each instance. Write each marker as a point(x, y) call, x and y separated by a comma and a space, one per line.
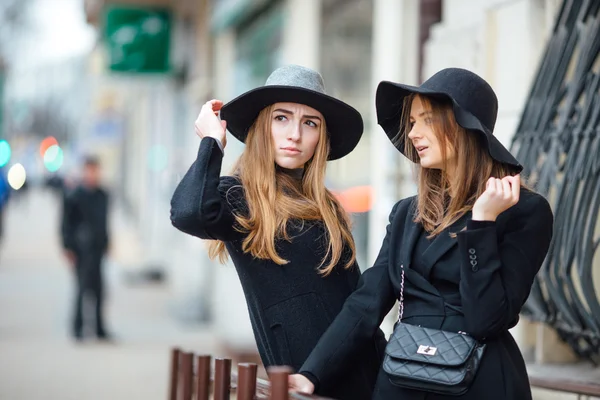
point(357, 322)
point(204, 203)
point(497, 271)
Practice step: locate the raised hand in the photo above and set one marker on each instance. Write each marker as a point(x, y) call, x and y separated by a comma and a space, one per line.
point(499, 196)
point(208, 123)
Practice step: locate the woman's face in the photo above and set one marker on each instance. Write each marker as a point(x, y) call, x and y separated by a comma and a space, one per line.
point(295, 129)
point(424, 139)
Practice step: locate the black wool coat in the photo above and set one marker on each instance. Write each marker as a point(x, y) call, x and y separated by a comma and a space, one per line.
point(291, 305)
point(476, 282)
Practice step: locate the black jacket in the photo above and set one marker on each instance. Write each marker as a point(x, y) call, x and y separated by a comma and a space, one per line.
point(84, 224)
point(290, 306)
point(487, 270)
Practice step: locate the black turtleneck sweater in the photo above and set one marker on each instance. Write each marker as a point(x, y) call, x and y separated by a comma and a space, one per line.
point(296, 173)
point(290, 305)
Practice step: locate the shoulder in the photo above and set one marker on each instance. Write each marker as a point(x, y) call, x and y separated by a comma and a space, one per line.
point(73, 193)
point(229, 181)
point(403, 207)
point(231, 186)
point(232, 191)
point(532, 209)
point(103, 191)
point(532, 203)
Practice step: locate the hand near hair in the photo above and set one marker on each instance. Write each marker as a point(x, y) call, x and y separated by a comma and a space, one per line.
point(499, 196)
point(208, 123)
point(300, 383)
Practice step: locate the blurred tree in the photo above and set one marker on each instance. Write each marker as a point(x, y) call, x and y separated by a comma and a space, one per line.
point(49, 118)
point(13, 21)
point(46, 116)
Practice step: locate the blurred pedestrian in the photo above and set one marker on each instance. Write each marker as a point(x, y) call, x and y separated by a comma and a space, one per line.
point(85, 240)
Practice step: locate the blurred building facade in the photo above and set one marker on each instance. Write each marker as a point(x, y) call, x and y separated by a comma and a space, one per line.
point(221, 48)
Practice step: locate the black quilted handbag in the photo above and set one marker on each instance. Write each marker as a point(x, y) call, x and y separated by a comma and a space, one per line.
point(431, 360)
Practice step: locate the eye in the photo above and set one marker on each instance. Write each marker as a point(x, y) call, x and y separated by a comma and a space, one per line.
point(411, 123)
point(310, 123)
point(428, 120)
point(280, 118)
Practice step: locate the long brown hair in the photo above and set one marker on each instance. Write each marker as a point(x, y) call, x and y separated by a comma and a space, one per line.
point(437, 207)
point(274, 199)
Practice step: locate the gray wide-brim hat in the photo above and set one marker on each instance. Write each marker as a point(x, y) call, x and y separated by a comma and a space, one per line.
point(473, 101)
point(297, 84)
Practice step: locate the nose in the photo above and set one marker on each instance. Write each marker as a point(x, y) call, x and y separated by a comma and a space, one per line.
point(294, 133)
point(413, 133)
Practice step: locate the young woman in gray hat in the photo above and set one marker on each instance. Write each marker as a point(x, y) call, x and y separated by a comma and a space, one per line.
point(287, 235)
point(461, 256)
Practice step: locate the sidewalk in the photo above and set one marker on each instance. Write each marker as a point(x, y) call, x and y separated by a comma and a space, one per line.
point(39, 359)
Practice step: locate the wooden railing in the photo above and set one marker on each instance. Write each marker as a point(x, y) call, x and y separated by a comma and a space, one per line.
point(566, 385)
point(575, 379)
point(192, 377)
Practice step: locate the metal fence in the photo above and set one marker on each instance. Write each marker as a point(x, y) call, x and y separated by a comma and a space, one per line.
point(558, 140)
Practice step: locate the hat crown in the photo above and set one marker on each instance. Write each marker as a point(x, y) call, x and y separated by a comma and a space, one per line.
point(297, 76)
point(469, 90)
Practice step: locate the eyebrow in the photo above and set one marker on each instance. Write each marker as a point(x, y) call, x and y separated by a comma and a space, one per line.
point(291, 113)
point(422, 114)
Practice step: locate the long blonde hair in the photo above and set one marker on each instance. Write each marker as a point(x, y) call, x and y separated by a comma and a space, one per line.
point(274, 199)
point(436, 208)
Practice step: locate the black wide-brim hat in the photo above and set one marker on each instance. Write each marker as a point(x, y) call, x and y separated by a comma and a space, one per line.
point(297, 84)
point(474, 103)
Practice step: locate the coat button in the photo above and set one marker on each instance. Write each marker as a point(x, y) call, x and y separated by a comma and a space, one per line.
point(472, 251)
point(474, 266)
point(473, 257)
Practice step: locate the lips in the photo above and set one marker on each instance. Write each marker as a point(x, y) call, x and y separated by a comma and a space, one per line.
point(292, 150)
point(421, 149)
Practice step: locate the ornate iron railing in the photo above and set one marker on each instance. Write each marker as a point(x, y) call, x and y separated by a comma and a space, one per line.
point(558, 141)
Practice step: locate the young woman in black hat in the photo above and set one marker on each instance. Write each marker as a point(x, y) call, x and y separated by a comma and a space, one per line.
point(287, 235)
point(461, 256)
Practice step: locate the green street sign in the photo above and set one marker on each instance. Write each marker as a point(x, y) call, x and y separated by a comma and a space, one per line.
point(138, 38)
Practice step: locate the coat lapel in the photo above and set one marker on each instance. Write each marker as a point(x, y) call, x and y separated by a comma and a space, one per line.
point(442, 244)
point(412, 231)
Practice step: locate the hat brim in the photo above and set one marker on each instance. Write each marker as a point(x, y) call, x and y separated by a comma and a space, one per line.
point(389, 101)
point(344, 123)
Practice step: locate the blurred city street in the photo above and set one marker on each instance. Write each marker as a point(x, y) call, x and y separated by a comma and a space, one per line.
point(39, 358)
point(121, 83)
